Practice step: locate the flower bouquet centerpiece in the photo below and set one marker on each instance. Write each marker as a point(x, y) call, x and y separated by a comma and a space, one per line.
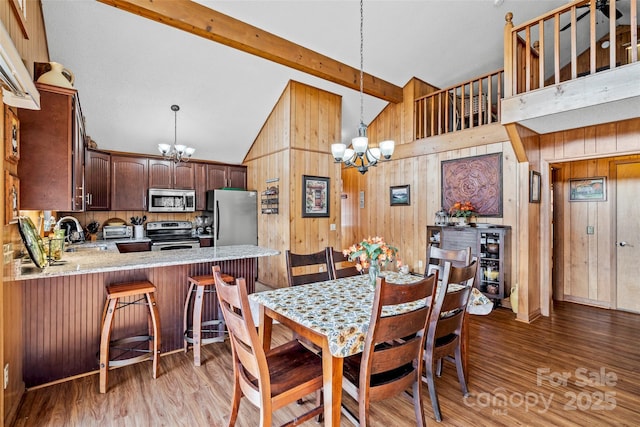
point(372, 253)
point(462, 211)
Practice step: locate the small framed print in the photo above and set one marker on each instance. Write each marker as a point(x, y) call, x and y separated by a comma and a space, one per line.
point(315, 200)
point(12, 198)
point(534, 187)
point(588, 189)
point(400, 195)
point(11, 136)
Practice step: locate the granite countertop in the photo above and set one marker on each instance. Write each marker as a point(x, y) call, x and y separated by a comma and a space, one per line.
point(102, 256)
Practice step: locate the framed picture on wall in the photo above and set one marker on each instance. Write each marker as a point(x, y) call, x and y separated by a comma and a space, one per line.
point(400, 195)
point(12, 198)
point(11, 136)
point(315, 196)
point(588, 189)
point(534, 187)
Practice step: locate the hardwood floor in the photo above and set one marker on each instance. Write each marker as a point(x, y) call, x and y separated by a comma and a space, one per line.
point(579, 367)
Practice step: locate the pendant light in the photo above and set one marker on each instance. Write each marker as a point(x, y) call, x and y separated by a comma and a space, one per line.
point(176, 152)
point(360, 155)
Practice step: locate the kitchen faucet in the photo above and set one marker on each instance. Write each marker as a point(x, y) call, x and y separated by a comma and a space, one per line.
point(78, 229)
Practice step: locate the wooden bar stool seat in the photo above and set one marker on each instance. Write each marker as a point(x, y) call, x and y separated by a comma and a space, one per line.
point(143, 293)
point(198, 287)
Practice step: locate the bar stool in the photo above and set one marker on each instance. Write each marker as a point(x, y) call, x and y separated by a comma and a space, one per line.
point(198, 287)
point(141, 290)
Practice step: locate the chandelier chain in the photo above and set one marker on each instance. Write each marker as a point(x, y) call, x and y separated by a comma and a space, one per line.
point(361, 61)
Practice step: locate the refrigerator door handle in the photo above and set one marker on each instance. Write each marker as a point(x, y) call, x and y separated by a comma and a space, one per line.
point(217, 220)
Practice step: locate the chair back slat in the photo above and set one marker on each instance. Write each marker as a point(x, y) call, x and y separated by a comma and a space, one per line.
point(304, 268)
point(436, 257)
point(340, 264)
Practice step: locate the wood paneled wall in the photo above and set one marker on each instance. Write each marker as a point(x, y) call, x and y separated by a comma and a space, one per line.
point(295, 141)
point(582, 272)
point(33, 49)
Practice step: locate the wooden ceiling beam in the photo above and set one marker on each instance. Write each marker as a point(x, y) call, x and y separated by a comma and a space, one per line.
point(197, 19)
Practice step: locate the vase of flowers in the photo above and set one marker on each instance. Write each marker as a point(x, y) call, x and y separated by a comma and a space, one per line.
point(372, 253)
point(462, 211)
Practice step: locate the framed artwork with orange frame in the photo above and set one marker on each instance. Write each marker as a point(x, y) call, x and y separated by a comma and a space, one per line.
point(11, 136)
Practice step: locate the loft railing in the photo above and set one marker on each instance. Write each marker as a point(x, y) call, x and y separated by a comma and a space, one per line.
point(569, 42)
point(464, 106)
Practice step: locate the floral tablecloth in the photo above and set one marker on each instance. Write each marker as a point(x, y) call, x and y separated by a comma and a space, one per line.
point(339, 309)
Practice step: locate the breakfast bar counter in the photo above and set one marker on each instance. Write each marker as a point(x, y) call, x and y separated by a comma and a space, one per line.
point(63, 304)
point(100, 258)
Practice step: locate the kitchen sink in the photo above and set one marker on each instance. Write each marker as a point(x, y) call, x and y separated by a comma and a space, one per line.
point(87, 248)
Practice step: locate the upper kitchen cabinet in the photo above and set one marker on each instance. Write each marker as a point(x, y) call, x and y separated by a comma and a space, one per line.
point(129, 183)
point(51, 167)
point(220, 176)
point(200, 173)
point(97, 178)
point(167, 174)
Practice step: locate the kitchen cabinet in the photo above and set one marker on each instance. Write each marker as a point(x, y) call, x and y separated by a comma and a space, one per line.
point(97, 178)
point(129, 183)
point(167, 174)
point(221, 176)
point(200, 181)
point(490, 245)
point(51, 166)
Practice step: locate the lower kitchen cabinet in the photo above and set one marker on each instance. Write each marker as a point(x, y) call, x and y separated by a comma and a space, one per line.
point(490, 245)
point(129, 183)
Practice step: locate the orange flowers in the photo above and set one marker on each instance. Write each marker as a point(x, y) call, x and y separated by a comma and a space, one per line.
point(371, 249)
point(460, 209)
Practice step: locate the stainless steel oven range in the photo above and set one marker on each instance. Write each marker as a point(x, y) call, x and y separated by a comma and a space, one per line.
point(170, 235)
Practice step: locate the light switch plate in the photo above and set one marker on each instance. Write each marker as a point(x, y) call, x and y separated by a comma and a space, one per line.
point(589, 229)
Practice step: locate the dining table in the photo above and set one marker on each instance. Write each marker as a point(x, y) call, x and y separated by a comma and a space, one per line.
point(334, 315)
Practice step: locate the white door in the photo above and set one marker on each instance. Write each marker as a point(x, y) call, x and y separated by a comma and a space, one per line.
point(628, 236)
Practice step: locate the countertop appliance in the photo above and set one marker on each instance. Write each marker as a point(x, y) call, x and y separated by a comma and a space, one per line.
point(235, 217)
point(117, 231)
point(170, 235)
point(170, 200)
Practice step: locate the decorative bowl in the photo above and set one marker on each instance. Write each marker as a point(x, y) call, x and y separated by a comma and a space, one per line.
point(491, 275)
point(492, 289)
point(493, 248)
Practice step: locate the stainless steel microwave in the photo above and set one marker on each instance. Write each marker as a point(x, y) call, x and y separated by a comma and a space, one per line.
point(167, 200)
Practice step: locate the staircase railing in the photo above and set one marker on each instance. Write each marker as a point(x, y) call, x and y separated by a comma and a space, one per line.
point(466, 105)
point(568, 43)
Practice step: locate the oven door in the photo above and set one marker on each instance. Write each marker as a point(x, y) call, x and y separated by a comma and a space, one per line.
point(174, 245)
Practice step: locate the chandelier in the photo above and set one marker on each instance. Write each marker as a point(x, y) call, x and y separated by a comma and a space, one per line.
point(360, 155)
point(176, 152)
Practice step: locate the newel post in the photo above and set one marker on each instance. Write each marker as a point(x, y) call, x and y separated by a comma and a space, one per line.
point(508, 56)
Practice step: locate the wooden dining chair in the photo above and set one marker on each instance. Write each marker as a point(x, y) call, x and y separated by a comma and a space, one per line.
point(269, 379)
point(392, 358)
point(444, 331)
point(316, 267)
point(436, 257)
point(340, 264)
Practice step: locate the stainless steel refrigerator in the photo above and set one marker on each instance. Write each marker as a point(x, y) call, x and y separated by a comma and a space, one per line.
point(235, 217)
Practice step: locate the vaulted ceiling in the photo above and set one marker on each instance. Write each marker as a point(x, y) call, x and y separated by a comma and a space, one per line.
point(129, 70)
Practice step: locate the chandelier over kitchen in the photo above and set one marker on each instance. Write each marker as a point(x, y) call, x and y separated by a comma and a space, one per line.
point(176, 152)
point(360, 155)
